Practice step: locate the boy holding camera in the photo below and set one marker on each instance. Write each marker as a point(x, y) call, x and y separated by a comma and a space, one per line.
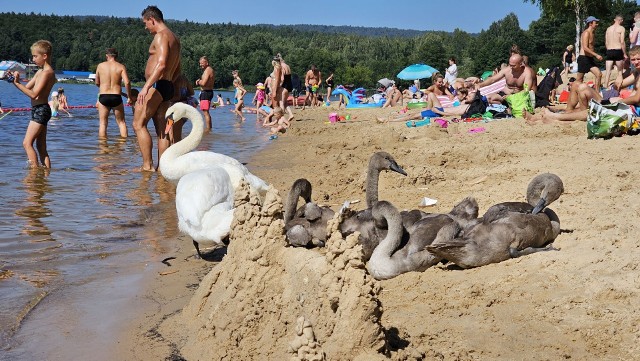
point(38, 89)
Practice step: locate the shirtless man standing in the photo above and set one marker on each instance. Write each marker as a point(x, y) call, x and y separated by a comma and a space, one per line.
point(587, 53)
point(206, 89)
point(109, 77)
point(616, 48)
point(634, 39)
point(312, 80)
point(162, 67)
point(516, 77)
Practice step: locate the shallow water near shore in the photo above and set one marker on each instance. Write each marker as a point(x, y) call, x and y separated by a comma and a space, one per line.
point(76, 241)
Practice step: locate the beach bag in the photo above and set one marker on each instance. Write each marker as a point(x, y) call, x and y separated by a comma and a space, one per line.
point(610, 120)
point(519, 101)
point(477, 106)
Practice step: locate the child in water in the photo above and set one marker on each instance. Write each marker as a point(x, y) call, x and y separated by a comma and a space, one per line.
point(54, 104)
point(239, 99)
point(259, 98)
point(62, 100)
point(277, 121)
point(37, 89)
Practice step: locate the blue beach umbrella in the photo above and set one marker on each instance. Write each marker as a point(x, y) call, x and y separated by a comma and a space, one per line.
point(417, 71)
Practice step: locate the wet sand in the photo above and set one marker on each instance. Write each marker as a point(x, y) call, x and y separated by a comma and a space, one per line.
point(578, 302)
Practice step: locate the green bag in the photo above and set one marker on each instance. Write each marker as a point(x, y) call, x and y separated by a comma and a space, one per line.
point(519, 101)
point(610, 120)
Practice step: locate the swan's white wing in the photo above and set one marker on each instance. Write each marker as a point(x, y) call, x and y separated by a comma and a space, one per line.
point(204, 203)
point(237, 174)
point(192, 162)
point(257, 184)
point(204, 159)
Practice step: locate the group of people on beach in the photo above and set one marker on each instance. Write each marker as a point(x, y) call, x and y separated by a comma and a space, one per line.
point(627, 64)
point(519, 78)
point(164, 85)
point(153, 99)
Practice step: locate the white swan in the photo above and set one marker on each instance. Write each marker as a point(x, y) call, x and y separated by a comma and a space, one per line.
point(204, 204)
point(206, 183)
point(179, 159)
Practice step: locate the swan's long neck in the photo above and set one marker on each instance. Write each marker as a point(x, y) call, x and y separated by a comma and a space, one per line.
point(373, 175)
point(381, 265)
point(301, 187)
point(290, 207)
point(169, 163)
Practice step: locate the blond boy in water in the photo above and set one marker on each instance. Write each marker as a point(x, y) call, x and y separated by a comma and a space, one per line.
point(38, 89)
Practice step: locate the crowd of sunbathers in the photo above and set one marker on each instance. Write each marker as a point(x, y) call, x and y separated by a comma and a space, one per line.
point(452, 96)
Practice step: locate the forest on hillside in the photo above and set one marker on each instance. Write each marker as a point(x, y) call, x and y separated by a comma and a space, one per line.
point(79, 44)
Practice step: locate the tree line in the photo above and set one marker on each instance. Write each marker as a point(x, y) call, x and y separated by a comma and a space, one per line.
point(79, 43)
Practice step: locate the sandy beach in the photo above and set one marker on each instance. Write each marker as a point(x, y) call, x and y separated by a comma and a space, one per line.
point(271, 302)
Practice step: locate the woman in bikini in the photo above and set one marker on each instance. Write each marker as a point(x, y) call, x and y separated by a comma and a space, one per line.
point(438, 87)
point(329, 82)
point(286, 85)
point(62, 100)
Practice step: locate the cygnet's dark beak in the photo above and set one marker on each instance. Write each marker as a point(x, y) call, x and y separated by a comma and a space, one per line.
point(167, 128)
point(396, 168)
point(539, 206)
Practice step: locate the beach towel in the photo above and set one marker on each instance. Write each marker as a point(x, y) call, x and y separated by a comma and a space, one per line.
point(493, 88)
point(418, 123)
point(445, 101)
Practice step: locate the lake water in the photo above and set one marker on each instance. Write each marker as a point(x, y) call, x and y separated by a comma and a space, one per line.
point(68, 234)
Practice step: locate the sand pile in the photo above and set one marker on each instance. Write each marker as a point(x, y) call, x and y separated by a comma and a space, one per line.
point(268, 302)
point(576, 303)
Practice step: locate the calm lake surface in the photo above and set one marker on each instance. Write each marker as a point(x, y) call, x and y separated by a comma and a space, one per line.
point(78, 234)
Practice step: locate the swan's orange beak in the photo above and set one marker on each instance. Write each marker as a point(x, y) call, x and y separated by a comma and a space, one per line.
point(167, 128)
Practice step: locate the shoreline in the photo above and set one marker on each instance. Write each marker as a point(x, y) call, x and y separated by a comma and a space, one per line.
point(575, 302)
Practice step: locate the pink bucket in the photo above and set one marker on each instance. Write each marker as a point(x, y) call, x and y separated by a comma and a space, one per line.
point(333, 117)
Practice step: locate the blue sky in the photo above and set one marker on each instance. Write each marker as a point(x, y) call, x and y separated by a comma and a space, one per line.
point(469, 15)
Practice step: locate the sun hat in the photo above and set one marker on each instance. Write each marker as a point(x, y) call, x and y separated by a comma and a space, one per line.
point(590, 19)
point(260, 86)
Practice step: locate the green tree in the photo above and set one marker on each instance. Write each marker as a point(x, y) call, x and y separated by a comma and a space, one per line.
point(492, 46)
point(359, 75)
point(580, 8)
